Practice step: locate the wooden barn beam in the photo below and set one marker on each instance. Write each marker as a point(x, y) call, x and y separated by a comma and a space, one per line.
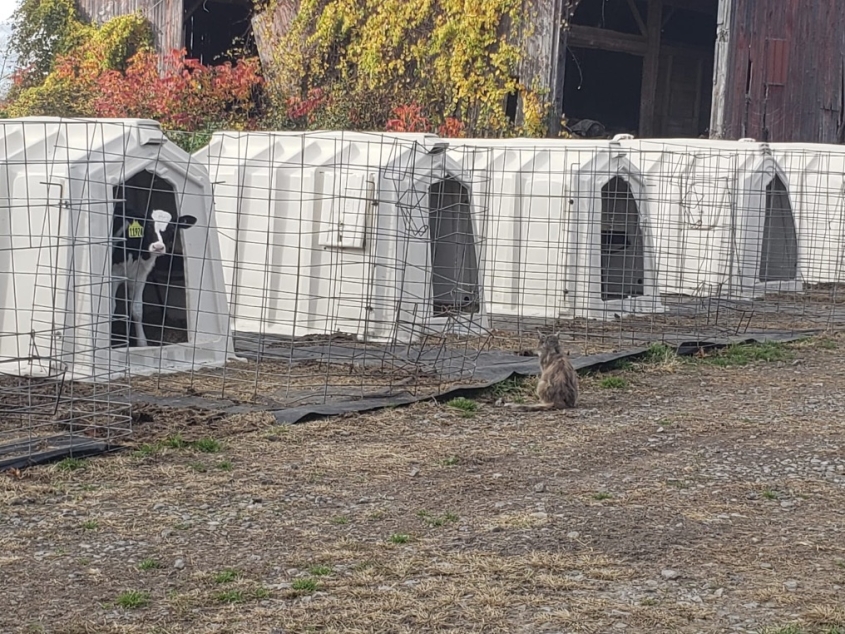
point(710, 7)
point(617, 42)
point(651, 65)
point(638, 18)
point(606, 40)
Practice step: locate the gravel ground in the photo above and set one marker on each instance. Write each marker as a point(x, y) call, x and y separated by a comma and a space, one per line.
point(682, 496)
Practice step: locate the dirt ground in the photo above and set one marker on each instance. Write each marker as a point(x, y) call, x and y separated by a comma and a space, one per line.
point(682, 496)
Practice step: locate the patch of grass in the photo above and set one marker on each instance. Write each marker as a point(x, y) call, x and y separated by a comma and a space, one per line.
point(648, 602)
point(90, 525)
point(825, 343)
point(149, 564)
point(744, 354)
point(304, 586)
point(770, 494)
point(665, 423)
point(467, 407)
point(509, 387)
point(133, 599)
point(198, 467)
point(319, 571)
point(602, 495)
point(226, 576)
point(660, 354)
point(340, 520)
point(176, 442)
point(451, 461)
point(207, 445)
point(71, 464)
point(146, 450)
point(620, 365)
point(261, 593)
point(399, 538)
point(613, 383)
point(225, 465)
point(229, 596)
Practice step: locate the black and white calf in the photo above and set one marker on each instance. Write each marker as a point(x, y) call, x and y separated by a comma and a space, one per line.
point(138, 241)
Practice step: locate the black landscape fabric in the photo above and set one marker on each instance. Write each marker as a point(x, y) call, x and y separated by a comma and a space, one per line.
point(490, 368)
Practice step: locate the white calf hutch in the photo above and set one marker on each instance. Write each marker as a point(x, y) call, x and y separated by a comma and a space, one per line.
point(722, 217)
point(568, 231)
point(816, 174)
point(61, 181)
point(372, 235)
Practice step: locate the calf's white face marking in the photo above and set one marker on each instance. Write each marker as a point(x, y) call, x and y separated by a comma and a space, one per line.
point(160, 221)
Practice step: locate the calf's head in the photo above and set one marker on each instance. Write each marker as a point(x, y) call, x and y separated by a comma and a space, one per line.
point(150, 236)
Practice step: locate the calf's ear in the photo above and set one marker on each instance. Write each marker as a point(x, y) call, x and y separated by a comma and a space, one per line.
point(185, 222)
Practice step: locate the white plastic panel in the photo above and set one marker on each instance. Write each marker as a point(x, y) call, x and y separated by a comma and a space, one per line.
point(337, 242)
point(342, 208)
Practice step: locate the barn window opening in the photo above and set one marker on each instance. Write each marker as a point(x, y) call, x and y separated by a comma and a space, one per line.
point(454, 271)
point(779, 251)
point(606, 45)
point(622, 249)
point(218, 31)
point(164, 314)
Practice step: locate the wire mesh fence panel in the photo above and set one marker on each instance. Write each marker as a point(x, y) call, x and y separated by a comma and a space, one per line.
point(319, 272)
point(61, 391)
point(337, 289)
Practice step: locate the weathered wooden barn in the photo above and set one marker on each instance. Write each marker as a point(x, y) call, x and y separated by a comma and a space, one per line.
point(768, 69)
point(207, 29)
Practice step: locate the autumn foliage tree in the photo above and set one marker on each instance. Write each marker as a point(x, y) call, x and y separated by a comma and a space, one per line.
point(113, 71)
point(187, 96)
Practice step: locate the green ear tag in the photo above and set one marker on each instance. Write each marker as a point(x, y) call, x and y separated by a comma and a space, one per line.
point(136, 230)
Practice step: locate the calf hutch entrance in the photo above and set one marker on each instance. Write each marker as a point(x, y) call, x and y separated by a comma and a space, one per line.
point(779, 248)
point(454, 263)
point(722, 218)
point(566, 226)
point(370, 235)
point(165, 318)
point(622, 248)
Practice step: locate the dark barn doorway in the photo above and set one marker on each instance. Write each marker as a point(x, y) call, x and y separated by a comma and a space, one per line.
point(165, 318)
point(650, 75)
point(454, 275)
point(779, 251)
point(218, 31)
point(622, 249)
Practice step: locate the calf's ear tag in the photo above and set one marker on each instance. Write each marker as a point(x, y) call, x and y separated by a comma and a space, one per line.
point(136, 230)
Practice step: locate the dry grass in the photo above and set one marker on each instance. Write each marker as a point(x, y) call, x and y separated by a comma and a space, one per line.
point(515, 522)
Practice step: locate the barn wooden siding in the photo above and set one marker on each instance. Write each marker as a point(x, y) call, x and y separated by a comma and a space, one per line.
point(784, 74)
point(166, 17)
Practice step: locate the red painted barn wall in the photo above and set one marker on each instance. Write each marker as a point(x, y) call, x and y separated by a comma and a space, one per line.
point(785, 81)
